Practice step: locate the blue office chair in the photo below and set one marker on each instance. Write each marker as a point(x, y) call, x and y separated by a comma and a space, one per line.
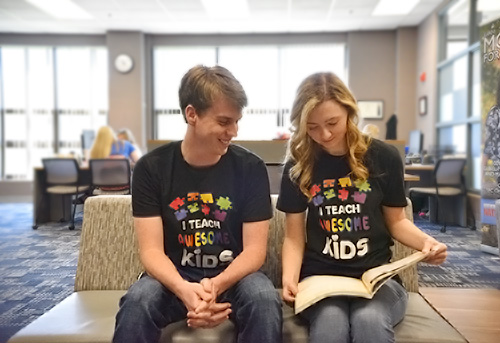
point(62, 177)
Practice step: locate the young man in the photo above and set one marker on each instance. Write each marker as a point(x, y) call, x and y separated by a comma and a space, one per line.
point(201, 211)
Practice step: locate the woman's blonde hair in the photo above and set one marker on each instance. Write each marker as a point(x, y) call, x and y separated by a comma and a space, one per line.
point(129, 136)
point(103, 143)
point(314, 90)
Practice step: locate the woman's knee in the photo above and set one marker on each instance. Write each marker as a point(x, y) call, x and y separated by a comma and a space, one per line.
point(328, 321)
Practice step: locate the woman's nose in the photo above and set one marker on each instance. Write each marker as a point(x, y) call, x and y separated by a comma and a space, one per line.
point(326, 134)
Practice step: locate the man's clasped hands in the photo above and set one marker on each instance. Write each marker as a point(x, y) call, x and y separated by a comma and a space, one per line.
point(203, 310)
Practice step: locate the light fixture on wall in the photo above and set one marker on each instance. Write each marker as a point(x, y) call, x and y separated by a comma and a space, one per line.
point(394, 7)
point(62, 9)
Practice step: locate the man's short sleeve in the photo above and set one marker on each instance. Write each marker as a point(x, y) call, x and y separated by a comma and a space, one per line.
point(145, 190)
point(257, 199)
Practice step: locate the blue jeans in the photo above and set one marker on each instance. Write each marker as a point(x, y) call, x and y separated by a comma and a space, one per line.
point(352, 319)
point(148, 307)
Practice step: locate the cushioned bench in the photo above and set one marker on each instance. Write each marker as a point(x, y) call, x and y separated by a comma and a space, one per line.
point(108, 264)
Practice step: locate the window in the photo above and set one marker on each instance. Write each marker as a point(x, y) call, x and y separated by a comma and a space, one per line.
point(455, 24)
point(459, 73)
point(257, 69)
point(82, 100)
point(270, 75)
point(43, 115)
point(170, 64)
point(453, 91)
point(28, 102)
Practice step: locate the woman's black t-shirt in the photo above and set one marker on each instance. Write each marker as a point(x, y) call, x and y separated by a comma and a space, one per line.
point(346, 232)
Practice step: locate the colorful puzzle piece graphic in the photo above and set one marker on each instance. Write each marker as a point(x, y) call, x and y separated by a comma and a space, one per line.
point(194, 207)
point(362, 185)
point(193, 196)
point(360, 198)
point(329, 194)
point(314, 190)
point(207, 198)
point(345, 182)
point(343, 194)
point(178, 202)
point(328, 183)
point(205, 209)
point(181, 214)
point(220, 215)
point(224, 203)
point(318, 200)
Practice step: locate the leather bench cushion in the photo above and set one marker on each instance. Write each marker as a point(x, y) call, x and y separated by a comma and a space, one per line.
point(89, 317)
point(83, 317)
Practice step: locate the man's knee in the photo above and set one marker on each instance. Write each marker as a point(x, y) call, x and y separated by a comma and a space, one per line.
point(259, 288)
point(144, 291)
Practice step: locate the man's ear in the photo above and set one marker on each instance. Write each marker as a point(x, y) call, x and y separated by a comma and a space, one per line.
point(191, 115)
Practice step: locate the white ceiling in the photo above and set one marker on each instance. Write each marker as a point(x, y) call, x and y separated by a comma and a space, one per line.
point(189, 16)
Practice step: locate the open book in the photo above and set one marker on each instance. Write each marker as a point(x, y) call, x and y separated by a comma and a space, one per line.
point(315, 288)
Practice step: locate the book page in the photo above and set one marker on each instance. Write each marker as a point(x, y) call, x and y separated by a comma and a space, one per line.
point(373, 276)
point(318, 287)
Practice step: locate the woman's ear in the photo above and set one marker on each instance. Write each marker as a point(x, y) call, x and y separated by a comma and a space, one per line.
point(191, 115)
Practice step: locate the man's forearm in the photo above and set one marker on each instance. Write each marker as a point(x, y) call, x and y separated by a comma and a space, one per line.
point(249, 261)
point(159, 266)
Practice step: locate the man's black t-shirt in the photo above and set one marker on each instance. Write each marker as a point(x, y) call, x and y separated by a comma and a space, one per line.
point(203, 209)
point(346, 232)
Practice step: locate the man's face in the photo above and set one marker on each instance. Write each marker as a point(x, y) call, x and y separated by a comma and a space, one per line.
point(217, 126)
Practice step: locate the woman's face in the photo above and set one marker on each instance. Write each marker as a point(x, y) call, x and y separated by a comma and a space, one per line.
point(327, 126)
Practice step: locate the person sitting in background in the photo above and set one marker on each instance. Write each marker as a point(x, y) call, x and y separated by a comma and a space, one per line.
point(371, 130)
point(127, 135)
point(106, 145)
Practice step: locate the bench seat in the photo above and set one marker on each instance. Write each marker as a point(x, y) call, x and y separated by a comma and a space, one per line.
point(108, 264)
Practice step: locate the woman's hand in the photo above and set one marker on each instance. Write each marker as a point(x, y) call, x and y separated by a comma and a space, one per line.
point(290, 290)
point(437, 251)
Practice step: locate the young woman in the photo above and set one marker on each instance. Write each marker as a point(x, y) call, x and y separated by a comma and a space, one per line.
point(106, 145)
point(127, 135)
point(352, 188)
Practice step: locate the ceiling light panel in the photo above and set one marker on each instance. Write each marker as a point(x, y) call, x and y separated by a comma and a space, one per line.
point(226, 9)
point(310, 9)
point(191, 10)
point(183, 5)
point(61, 9)
point(394, 7)
point(268, 9)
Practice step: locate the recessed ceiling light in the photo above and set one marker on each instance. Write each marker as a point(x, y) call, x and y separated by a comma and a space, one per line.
point(226, 9)
point(62, 9)
point(394, 7)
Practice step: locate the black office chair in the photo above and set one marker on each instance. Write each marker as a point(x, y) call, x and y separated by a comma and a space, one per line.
point(110, 176)
point(62, 177)
point(448, 182)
